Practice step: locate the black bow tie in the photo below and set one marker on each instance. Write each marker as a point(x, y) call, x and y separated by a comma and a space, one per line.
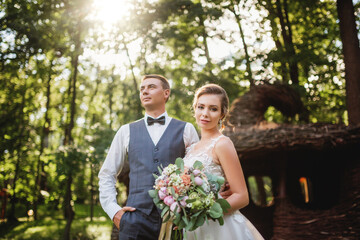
point(160, 120)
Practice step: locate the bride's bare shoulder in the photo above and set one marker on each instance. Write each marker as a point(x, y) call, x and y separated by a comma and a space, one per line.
point(224, 144)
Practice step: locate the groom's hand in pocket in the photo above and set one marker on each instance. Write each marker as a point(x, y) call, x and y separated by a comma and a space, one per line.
point(119, 214)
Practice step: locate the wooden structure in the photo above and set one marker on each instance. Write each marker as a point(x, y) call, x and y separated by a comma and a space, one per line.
point(314, 168)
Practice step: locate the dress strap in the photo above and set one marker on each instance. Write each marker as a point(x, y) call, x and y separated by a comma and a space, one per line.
point(205, 150)
point(215, 140)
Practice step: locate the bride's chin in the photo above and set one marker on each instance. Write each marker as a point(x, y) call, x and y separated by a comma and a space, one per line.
point(208, 128)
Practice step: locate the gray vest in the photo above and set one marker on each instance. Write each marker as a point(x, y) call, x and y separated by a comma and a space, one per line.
point(145, 158)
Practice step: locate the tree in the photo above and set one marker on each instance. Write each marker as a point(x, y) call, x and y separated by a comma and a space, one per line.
point(351, 51)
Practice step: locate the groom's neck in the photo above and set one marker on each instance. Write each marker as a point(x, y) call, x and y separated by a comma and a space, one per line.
point(155, 113)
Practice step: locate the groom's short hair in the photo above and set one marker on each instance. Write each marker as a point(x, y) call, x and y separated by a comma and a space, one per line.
point(165, 82)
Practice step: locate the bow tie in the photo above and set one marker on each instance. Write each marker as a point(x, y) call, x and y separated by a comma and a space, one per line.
point(160, 120)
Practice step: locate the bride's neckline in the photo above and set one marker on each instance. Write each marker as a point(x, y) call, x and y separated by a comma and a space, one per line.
point(207, 144)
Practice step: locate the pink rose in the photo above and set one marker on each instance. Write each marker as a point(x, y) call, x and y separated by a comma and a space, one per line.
point(183, 201)
point(198, 181)
point(162, 195)
point(173, 206)
point(169, 200)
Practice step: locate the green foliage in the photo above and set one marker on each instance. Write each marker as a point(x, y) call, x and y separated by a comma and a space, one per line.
point(41, 39)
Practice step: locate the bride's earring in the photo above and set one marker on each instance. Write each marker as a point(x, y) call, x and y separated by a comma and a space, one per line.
point(220, 123)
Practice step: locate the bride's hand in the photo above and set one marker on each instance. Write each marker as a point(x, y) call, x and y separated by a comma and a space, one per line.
point(226, 192)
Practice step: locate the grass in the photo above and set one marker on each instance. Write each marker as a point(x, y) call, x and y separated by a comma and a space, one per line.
point(52, 226)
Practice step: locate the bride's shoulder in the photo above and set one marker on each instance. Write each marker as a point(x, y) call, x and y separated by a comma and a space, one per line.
point(224, 144)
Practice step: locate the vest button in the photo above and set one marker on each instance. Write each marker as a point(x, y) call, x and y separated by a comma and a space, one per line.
point(156, 160)
point(156, 149)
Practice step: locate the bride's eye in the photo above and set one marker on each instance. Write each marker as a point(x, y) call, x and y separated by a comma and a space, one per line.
point(200, 107)
point(213, 109)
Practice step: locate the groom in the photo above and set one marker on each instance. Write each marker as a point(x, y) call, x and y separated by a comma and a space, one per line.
point(153, 141)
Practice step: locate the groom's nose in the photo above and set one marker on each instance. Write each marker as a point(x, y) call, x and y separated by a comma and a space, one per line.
point(144, 91)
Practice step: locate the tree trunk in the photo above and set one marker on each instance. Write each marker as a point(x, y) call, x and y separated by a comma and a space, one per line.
point(293, 63)
point(261, 190)
point(351, 51)
point(288, 41)
point(92, 192)
point(91, 122)
point(68, 211)
point(138, 103)
point(247, 57)
point(43, 143)
point(206, 47)
point(19, 156)
point(274, 33)
point(110, 93)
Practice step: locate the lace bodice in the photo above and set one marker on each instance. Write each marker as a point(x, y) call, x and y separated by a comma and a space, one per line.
point(205, 156)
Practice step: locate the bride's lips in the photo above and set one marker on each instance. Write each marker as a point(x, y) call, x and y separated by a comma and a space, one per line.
point(204, 121)
point(146, 99)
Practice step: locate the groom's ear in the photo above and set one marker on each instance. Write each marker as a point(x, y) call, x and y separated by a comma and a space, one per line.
point(167, 94)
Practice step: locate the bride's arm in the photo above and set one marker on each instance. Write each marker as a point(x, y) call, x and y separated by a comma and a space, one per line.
point(226, 154)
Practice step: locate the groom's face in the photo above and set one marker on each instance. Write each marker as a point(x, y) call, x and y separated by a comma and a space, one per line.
point(152, 93)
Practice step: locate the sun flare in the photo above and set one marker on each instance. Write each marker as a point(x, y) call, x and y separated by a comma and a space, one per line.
point(110, 11)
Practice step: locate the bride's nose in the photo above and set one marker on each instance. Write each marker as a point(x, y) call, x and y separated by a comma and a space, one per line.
point(204, 113)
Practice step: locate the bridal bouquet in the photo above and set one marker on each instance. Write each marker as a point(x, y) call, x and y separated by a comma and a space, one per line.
point(188, 196)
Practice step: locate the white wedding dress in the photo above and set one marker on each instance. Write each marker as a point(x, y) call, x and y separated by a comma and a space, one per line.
point(236, 226)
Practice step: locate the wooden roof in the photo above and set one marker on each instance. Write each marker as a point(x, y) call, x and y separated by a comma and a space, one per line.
point(257, 140)
point(253, 136)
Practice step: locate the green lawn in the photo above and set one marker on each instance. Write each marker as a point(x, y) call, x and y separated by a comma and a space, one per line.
point(52, 226)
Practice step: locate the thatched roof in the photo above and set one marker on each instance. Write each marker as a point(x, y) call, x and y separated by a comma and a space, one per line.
point(249, 109)
point(252, 135)
point(258, 140)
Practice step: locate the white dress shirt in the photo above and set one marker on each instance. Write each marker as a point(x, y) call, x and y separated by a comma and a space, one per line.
point(115, 159)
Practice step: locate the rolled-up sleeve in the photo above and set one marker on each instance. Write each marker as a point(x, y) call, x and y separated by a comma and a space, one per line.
point(111, 167)
point(190, 135)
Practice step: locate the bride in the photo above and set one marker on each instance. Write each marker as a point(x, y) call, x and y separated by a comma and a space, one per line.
point(218, 155)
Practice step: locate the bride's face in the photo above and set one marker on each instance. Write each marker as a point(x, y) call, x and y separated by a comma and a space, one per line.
point(208, 111)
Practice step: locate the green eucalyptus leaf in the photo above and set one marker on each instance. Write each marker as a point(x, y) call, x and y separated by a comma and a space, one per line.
point(185, 220)
point(181, 224)
point(179, 162)
point(220, 180)
point(200, 221)
point(190, 225)
point(153, 193)
point(225, 205)
point(198, 165)
point(215, 211)
point(164, 211)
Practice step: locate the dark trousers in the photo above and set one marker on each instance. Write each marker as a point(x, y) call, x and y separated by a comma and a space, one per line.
point(139, 226)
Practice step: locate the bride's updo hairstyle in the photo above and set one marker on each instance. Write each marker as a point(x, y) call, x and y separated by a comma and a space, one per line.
point(214, 89)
